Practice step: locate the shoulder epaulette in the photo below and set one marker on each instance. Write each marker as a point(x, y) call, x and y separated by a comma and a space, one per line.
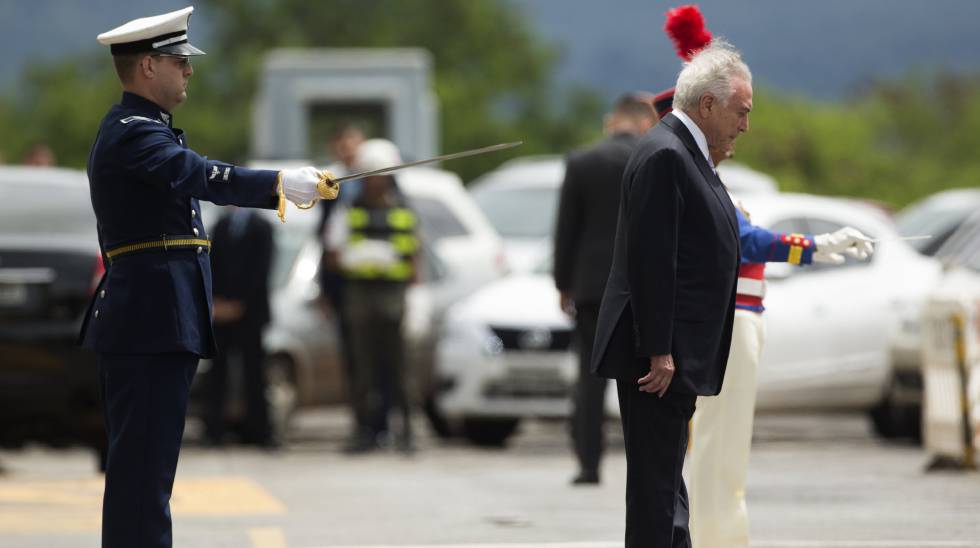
point(129, 119)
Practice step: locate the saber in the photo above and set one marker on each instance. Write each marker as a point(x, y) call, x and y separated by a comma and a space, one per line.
point(900, 238)
point(443, 158)
point(328, 187)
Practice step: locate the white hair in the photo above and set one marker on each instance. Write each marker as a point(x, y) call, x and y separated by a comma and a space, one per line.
point(712, 70)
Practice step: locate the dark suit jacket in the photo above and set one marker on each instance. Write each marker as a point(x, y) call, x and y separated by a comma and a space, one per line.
point(671, 289)
point(587, 215)
point(240, 266)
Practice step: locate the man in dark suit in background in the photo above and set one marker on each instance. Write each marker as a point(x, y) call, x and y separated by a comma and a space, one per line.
point(665, 321)
point(584, 238)
point(240, 265)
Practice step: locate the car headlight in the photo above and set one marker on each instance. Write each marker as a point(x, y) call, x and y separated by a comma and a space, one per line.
point(470, 334)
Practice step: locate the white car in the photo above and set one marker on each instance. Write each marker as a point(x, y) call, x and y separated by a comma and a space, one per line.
point(951, 349)
point(828, 344)
point(451, 223)
point(831, 329)
point(521, 200)
point(456, 229)
point(937, 216)
point(505, 354)
point(302, 344)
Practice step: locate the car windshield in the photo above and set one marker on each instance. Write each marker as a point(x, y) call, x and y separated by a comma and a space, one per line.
point(936, 220)
point(963, 247)
point(289, 242)
point(545, 266)
point(520, 212)
point(436, 220)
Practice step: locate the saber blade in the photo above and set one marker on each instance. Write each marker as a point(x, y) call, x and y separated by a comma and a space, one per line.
point(901, 238)
point(444, 157)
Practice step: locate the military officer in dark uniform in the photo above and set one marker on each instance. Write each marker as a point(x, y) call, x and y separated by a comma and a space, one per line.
point(150, 319)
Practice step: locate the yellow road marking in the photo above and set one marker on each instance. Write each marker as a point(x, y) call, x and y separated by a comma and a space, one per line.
point(267, 537)
point(75, 505)
point(223, 497)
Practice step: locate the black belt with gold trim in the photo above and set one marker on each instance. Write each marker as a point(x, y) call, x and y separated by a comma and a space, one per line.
point(165, 243)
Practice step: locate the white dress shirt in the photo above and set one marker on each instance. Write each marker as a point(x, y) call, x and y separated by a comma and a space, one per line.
point(699, 137)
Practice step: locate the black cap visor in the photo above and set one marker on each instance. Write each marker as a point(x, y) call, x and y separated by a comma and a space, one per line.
point(184, 50)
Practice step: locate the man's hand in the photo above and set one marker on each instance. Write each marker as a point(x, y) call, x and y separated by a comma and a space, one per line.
point(832, 246)
point(299, 185)
point(567, 304)
point(227, 310)
point(660, 375)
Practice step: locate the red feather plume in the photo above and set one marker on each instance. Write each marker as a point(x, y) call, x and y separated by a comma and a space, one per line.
point(685, 26)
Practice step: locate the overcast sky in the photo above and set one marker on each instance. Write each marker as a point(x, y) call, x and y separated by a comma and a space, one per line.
point(820, 48)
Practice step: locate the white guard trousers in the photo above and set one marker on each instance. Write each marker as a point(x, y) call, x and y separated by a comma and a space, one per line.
point(720, 442)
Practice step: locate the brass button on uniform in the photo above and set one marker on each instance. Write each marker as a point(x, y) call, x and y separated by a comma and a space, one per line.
point(102, 294)
point(193, 213)
point(96, 312)
point(200, 250)
point(196, 233)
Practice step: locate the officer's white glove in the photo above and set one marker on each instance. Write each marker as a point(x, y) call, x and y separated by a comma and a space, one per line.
point(299, 184)
point(832, 246)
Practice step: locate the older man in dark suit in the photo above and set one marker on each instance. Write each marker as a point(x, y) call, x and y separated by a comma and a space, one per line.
point(665, 321)
point(584, 237)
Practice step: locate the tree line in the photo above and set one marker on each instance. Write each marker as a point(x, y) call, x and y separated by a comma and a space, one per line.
point(893, 142)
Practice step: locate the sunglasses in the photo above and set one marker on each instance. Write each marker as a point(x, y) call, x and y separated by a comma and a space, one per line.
point(182, 62)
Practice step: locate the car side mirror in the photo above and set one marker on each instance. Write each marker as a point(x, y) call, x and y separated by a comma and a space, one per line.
point(779, 271)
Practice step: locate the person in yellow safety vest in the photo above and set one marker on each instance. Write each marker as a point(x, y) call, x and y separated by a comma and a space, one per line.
point(373, 244)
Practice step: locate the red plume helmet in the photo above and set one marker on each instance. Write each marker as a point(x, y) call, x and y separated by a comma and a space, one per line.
point(685, 26)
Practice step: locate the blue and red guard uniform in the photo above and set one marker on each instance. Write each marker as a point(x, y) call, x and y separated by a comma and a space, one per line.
point(761, 246)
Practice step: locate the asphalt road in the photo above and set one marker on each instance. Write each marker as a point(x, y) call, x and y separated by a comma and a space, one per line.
point(815, 481)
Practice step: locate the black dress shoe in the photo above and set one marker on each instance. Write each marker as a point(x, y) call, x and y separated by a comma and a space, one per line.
point(360, 445)
point(586, 478)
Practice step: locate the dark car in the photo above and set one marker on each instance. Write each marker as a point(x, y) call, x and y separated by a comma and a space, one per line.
point(49, 267)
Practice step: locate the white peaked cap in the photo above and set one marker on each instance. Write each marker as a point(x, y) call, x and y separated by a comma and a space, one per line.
point(165, 33)
point(376, 154)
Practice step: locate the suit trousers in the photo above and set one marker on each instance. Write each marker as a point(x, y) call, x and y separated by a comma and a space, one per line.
point(242, 339)
point(720, 443)
point(145, 401)
point(589, 400)
point(655, 431)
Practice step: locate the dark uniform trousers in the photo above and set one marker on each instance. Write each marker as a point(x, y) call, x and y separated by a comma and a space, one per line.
point(655, 516)
point(145, 398)
point(374, 312)
point(589, 400)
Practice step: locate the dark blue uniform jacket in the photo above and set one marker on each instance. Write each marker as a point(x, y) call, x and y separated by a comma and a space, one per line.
point(145, 184)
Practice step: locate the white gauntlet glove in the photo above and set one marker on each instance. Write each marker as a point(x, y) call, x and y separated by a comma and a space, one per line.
point(832, 246)
point(299, 185)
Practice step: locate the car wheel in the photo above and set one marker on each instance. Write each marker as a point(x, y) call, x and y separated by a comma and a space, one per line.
point(892, 421)
point(438, 422)
point(281, 393)
point(489, 432)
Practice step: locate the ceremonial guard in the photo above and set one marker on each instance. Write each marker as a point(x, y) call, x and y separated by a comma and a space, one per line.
point(150, 319)
point(721, 436)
